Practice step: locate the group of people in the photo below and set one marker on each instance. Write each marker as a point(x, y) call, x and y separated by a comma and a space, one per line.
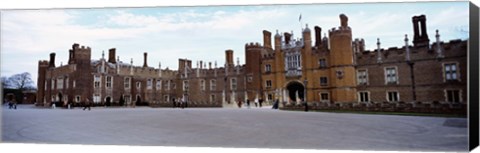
point(12, 105)
point(257, 102)
point(181, 104)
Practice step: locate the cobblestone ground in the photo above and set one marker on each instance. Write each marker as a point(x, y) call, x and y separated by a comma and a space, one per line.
point(232, 127)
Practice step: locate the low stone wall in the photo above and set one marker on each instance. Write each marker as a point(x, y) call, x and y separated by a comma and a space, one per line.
point(408, 107)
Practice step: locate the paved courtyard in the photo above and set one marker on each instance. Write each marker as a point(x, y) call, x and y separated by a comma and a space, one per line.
point(230, 127)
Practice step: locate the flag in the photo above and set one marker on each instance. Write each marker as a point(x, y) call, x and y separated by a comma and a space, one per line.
point(300, 18)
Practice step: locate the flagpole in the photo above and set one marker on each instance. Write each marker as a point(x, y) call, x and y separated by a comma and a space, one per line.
point(300, 20)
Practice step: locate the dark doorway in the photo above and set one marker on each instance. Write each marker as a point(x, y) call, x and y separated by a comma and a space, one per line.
point(108, 101)
point(138, 102)
point(60, 98)
point(295, 89)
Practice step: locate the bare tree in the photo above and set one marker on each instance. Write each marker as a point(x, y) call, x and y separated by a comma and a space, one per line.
point(4, 82)
point(21, 81)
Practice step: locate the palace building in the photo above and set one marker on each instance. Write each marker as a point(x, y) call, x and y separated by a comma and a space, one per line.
point(334, 68)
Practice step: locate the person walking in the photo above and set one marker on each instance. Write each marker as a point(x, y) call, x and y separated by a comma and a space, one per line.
point(174, 103)
point(256, 102)
point(260, 102)
point(182, 103)
point(275, 104)
point(248, 103)
point(87, 104)
point(10, 105)
point(239, 103)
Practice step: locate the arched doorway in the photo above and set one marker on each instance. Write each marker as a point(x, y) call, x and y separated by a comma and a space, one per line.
point(59, 100)
point(138, 101)
point(108, 101)
point(295, 89)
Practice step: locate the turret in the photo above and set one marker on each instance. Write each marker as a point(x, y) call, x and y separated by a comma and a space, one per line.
point(307, 39)
point(278, 41)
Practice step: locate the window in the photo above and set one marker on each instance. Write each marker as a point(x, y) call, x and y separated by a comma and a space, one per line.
point(46, 84)
point(185, 85)
point(391, 75)
point(324, 96)
point(213, 84)
point(233, 83)
point(268, 68)
point(60, 83)
point(74, 84)
point(159, 85)
point(166, 98)
point(96, 81)
point(450, 71)
point(212, 98)
point(96, 98)
point(293, 61)
point(139, 84)
point(363, 96)
point(52, 83)
point(108, 82)
point(77, 98)
point(268, 83)
point(202, 85)
point(362, 77)
point(167, 85)
point(453, 96)
point(322, 63)
point(174, 86)
point(392, 96)
point(250, 79)
point(66, 83)
point(270, 97)
point(127, 99)
point(127, 83)
point(323, 81)
point(149, 84)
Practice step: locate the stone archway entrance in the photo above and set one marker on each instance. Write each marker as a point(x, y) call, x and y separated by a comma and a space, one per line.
point(108, 101)
point(295, 89)
point(138, 101)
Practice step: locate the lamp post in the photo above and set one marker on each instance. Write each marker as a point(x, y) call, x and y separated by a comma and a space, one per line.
point(305, 95)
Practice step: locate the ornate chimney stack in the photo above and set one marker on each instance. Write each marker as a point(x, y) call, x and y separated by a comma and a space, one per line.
point(439, 48)
point(111, 55)
point(379, 54)
point(145, 59)
point(407, 50)
point(52, 60)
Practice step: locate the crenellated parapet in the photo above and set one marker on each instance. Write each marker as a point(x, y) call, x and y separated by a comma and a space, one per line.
point(398, 54)
point(343, 29)
point(253, 46)
point(43, 63)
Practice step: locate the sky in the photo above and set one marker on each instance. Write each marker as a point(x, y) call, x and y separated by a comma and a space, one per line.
point(204, 32)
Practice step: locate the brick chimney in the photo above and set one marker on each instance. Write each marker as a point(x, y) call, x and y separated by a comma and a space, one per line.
point(229, 57)
point(145, 59)
point(111, 56)
point(52, 60)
